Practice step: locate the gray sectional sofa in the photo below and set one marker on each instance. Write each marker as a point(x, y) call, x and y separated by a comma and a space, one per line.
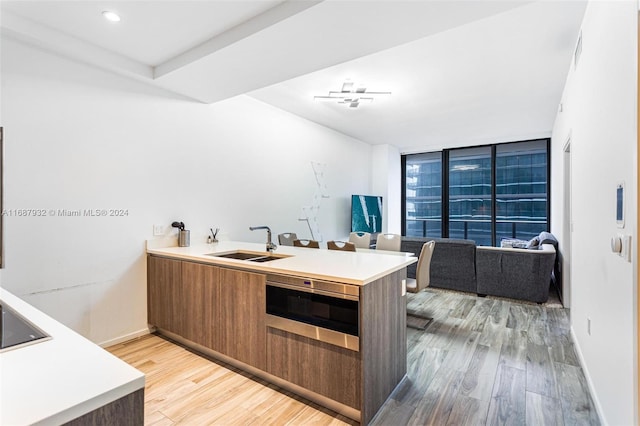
point(515, 273)
point(523, 274)
point(452, 264)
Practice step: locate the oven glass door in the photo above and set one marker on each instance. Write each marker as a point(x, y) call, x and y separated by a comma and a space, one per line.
point(328, 312)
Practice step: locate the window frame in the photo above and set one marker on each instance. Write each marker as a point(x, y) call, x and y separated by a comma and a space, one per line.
point(445, 161)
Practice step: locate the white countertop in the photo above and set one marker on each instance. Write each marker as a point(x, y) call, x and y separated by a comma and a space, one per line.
point(57, 380)
point(358, 268)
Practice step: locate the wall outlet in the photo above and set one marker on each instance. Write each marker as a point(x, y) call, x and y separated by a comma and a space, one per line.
point(589, 326)
point(158, 230)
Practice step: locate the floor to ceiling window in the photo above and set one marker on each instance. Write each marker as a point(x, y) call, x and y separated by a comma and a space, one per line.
point(482, 193)
point(423, 195)
point(470, 203)
point(521, 189)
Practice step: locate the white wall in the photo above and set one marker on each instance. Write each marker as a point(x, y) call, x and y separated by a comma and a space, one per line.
point(80, 138)
point(600, 115)
point(386, 181)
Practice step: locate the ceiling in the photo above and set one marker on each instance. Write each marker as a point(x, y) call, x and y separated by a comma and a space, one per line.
point(460, 72)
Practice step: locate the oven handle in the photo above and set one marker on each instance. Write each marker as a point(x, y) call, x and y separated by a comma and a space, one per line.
point(313, 290)
point(314, 332)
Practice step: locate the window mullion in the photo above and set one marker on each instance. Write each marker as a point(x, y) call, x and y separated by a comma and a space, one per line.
point(493, 195)
point(445, 194)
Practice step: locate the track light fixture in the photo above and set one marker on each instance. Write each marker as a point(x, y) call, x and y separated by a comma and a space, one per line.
point(351, 95)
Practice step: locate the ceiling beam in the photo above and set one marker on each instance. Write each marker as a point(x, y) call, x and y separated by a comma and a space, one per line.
point(71, 47)
point(254, 25)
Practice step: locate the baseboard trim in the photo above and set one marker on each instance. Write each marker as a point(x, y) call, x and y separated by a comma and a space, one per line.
point(125, 338)
point(587, 376)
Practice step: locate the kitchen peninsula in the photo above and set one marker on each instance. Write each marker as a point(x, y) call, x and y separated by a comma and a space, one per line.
point(65, 379)
point(327, 325)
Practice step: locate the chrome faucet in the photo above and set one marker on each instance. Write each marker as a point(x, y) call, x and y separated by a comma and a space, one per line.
point(270, 246)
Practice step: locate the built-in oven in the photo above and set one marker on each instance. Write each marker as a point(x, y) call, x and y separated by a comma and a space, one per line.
point(320, 310)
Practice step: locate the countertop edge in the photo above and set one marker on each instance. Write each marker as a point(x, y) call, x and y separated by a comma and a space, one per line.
point(198, 254)
point(94, 403)
point(82, 394)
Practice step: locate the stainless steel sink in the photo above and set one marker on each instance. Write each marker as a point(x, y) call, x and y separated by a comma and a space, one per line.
point(266, 258)
point(251, 256)
point(240, 255)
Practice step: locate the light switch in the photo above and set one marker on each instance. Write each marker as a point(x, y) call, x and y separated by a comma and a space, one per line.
point(158, 230)
point(621, 245)
point(616, 244)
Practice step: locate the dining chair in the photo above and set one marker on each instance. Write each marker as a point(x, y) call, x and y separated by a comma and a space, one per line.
point(341, 245)
point(286, 238)
point(360, 239)
point(422, 278)
point(306, 243)
point(389, 242)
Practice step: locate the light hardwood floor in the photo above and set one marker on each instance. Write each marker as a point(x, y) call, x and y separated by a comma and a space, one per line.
point(185, 388)
point(480, 361)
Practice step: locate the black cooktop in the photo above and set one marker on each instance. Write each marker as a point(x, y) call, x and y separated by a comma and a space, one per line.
point(16, 331)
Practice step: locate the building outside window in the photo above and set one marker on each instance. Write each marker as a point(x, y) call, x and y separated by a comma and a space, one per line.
point(423, 199)
point(521, 190)
point(482, 193)
point(470, 203)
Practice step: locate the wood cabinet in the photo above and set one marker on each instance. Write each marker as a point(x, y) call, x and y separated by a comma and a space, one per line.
point(242, 316)
point(164, 288)
point(182, 298)
point(383, 337)
point(362, 380)
point(219, 308)
point(326, 369)
point(223, 309)
point(201, 295)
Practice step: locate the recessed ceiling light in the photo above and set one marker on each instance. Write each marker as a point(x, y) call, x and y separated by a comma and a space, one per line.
point(111, 16)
